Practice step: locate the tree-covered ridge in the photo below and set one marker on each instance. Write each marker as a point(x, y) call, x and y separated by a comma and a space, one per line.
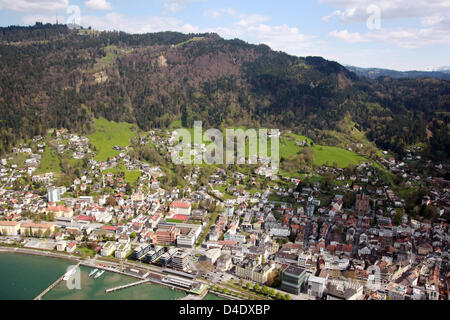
point(52, 76)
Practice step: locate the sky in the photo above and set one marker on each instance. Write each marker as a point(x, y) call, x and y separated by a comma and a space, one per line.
point(394, 34)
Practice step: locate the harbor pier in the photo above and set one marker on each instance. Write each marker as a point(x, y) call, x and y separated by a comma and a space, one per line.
point(54, 284)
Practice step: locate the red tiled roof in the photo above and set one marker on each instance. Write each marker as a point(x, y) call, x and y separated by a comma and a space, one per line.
point(72, 244)
point(347, 248)
point(180, 217)
point(228, 243)
point(37, 225)
point(85, 218)
point(109, 228)
point(181, 205)
point(59, 208)
point(9, 223)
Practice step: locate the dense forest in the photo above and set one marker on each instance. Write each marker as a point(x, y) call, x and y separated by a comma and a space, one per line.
point(52, 76)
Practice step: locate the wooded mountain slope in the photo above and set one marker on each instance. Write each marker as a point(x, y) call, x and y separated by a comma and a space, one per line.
point(51, 76)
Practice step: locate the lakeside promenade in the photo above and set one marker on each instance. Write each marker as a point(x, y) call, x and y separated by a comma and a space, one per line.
point(147, 273)
point(40, 253)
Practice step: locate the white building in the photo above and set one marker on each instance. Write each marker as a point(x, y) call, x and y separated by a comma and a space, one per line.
point(280, 232)
point(213, 255)
point(53, 194)
point(188, 239)
point(316, 285)
point(183, 208)
point(108, 249)
point(122, 250)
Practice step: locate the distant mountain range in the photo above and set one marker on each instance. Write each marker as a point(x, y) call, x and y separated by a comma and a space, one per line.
point(442, 69)
point(374, 73)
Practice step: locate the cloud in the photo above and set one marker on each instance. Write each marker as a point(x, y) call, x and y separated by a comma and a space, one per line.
point(256, 28)
point(98, 5)
point(173, 6)
point(215, 14)
point(356, 10)
point(405, 38)
point(252, 20)
point(34, 5)
point(117, 21)
point(428, 21)
point(354, 37)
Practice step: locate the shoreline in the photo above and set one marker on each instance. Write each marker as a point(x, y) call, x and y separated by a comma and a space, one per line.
point(86, 263)
point(39, 253)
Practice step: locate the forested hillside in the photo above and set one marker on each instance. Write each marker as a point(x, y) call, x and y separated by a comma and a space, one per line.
point(54, 77)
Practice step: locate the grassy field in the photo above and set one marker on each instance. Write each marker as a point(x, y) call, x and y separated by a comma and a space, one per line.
point(110, 55)
point(50, 162)
point(130, 176)
point(322, 154)
point(84, 251)
point(18, 159)
point(190, 40)
point(343, 158)
point(289, 148)
point(288, 144)
point(109, 134)
point(174, 221)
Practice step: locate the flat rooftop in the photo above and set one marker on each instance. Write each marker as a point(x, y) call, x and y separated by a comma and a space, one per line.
point(295, 270)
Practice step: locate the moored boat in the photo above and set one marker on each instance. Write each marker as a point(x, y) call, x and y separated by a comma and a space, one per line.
point(93, 272)
point(99, 274)
point(69, 274)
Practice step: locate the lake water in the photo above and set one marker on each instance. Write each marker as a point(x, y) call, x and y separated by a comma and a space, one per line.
point(23, 277)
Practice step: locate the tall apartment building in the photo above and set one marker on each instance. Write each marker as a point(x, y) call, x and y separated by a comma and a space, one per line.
point(53, 194)
point(180, 260)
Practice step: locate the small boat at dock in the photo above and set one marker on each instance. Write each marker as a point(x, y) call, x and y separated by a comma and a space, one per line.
point(69, 274)
point(99, 274)
point(93, 272)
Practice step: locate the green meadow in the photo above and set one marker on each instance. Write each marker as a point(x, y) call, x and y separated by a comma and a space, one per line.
point(330, 155)
point(188, 41)
point(50, 161)
point(323, 155)
point(130, 176)
point(109, 134)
